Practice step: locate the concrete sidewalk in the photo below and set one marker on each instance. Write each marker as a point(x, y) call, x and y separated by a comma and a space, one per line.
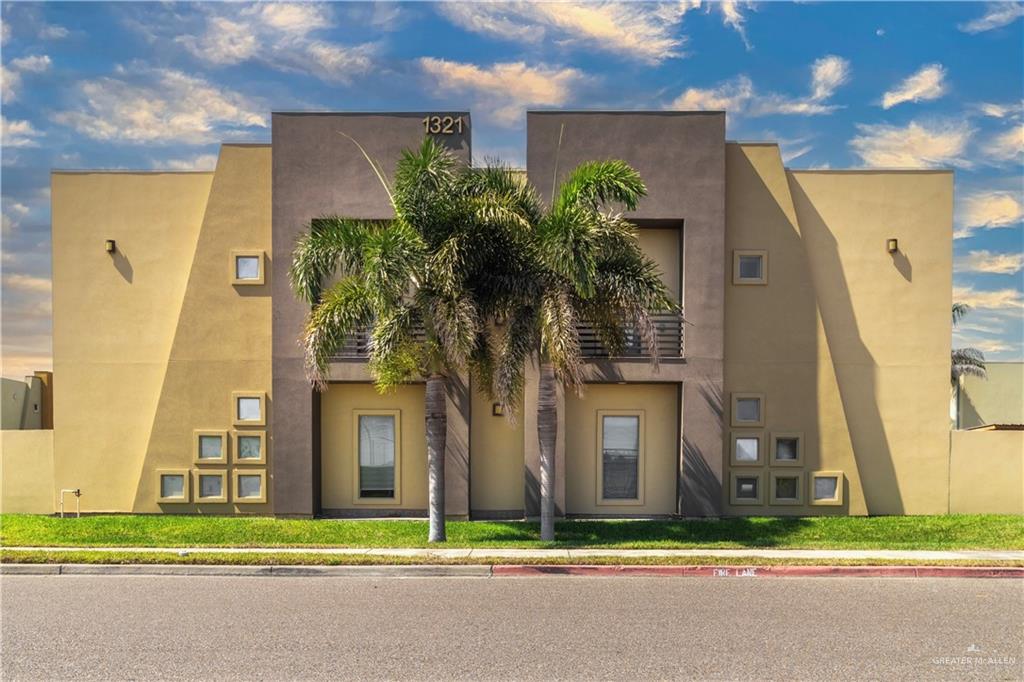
point(580, 554)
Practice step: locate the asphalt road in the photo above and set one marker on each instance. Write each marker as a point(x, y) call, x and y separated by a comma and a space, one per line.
point(134, 627)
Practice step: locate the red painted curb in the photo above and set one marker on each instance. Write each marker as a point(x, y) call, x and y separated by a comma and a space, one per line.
point(533, 570)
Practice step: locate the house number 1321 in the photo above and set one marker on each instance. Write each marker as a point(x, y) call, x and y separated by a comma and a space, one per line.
point(442, 125)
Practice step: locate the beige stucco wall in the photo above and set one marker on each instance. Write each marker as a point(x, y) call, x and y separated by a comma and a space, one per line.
point(338, 453)
point(495, 459)
point(169, 337)
point(849, 345)
point(26, 472)
point(986, 472)
point(662, 246)
point(996, 399)
point(659, 403)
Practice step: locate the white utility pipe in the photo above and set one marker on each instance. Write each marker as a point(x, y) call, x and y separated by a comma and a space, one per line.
point(77, 492)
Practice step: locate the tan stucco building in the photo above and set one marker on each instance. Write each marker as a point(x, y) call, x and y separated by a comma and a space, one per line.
point(811, 376)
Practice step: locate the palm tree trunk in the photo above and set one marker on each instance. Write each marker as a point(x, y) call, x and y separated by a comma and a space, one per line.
point(547, 434)
point(437, 432)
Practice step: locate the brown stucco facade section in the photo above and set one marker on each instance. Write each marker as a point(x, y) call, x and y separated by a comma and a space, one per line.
point(317, 171)
point(681, 157)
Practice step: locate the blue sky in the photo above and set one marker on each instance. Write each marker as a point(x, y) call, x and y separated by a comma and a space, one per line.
point(159, 85)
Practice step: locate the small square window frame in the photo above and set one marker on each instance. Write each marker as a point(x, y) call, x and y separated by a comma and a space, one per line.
point(734, 412)
point(831, 502)
point(742, 501)
point(749, 281)
point(186, 486)
point(734, 436)
point(600, 499)
point(776, 475)
point(236, 451)
point(248, 253)
point(780, 435)
point(238, 499)
point(222, 473)
point(261, 395)
point(357, 498)
point(197, 436)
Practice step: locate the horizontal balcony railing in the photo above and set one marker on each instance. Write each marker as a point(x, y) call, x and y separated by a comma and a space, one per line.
point(669, 336)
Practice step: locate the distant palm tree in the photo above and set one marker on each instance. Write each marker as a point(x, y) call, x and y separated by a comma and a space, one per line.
point(587, 267)
point(965, 361)
point(425, 283)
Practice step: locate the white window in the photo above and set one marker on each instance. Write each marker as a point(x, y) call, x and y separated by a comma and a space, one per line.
point(250, 485)
point(750, 267)
point(172, 486)
point(247, 267)
point(250, 447)
point(211, 447)
point(827, 487)
point(211, 485)
point(620, 457)
point(377, 434)
point(748, 410)
point(249, 408)
point(748, 450)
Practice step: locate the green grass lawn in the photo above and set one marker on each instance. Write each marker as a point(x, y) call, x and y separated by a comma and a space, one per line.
point(882, 532)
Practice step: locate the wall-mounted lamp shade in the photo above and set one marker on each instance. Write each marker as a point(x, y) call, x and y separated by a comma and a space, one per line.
point(110, 245)
point(892, 245)
point(497, 410)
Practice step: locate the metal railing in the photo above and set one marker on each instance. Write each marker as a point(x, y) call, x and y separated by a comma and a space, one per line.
point(669, 337)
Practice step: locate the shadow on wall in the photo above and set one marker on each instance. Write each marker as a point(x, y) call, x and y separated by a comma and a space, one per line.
point(855, 368)
point(902, 263)
point(123, 265)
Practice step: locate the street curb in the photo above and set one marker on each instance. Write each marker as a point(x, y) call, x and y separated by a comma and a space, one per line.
point(533, 570)
point(518, 571)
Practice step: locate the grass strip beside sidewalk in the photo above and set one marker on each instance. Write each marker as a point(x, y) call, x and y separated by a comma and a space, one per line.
point(953, 532)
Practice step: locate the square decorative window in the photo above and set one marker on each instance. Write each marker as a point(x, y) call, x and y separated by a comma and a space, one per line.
point(210, 447)
point(378, 435)
point(211, 485)
point(749, 267)
point(787, 488)
point(620, 457)
point(250, 486)
point(748, 409)
point(787, 449)
point(248, 408)
point(747, 448)
point(247, 267)
point(249, 447)
point(172, 485)
point(744, 488)
point(827, 487)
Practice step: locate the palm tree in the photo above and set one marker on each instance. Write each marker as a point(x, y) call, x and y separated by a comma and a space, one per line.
point(965, 361)
point(586, 267)
point(424, 283)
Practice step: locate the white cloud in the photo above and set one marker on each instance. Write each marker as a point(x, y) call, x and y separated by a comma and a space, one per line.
point(1006, 146)
point(739, 97)
point(29, 283)
point(988, 209)
point(927, 83)
point(10, 82)
point(1001, 110)
point(997, 15)
point(199, 162)
point(170, 106)
point(732, 16)
point(18, 207)
point(53, 32)
point(504, 90)
point(988, 262)
point(647, 32)
point(32, 63)
point(997, 299)
point(17, 133)
point(916, 145)
point(5, 32)
point(278, 35)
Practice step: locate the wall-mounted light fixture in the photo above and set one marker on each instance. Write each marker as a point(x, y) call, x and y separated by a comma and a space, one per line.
point(497, 410)
point(892, 245)
point(110, 245)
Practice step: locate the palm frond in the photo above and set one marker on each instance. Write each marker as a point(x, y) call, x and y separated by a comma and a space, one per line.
point(342, 309)
point(518, 338)
point(597, 183)
point(560, 339)
point(959, 311)
point(967, 362)
point(332, 245)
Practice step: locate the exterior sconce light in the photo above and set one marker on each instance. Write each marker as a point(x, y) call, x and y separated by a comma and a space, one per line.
point(110, 245)
point(892, 245)
point(497, 410)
